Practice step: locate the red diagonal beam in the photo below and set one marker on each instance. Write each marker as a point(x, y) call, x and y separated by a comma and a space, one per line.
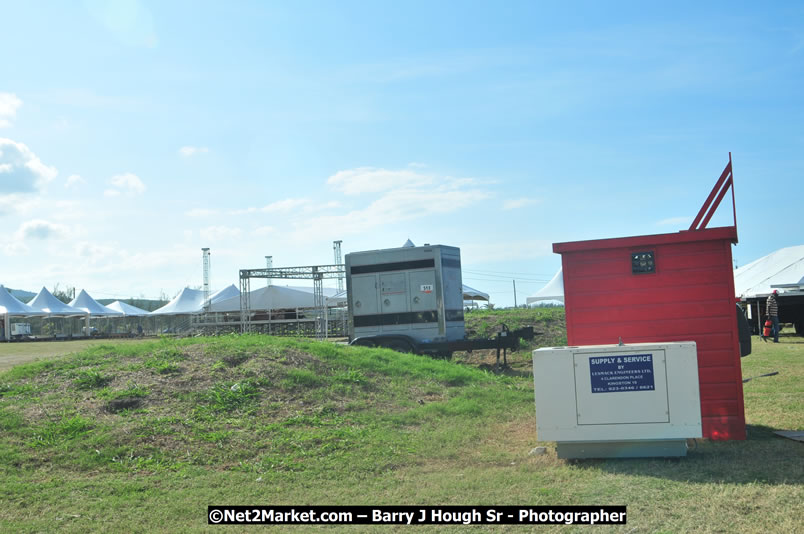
point(706, 206)
point(720, 196)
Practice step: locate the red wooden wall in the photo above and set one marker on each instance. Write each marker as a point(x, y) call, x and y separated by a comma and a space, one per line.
point(690, 297)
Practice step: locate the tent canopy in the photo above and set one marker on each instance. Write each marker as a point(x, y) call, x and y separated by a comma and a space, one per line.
point(10, 305)
point(554, 290)
point(83, 302)
point(337, 300)
point(44, 301)
point(127, 309)
point(274, 298)
point(784, 267)
point(191, 301)
point(474, 294)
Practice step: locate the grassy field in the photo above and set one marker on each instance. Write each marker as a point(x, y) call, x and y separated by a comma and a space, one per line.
point(12, 354)
point(142, 437)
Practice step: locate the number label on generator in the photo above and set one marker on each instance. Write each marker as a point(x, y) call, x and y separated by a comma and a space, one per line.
point(426, 288)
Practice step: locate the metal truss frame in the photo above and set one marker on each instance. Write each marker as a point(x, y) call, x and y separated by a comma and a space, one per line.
point(316, 273)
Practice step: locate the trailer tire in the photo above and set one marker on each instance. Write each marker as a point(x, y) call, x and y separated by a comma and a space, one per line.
point(364, 343)
point(799, 325)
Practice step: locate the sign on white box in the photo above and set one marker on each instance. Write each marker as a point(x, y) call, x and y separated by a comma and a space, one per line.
point(618, 400)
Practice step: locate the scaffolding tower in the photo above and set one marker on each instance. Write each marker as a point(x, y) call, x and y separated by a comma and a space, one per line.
point(316, 273)
point(205, 257)
point(336, 248)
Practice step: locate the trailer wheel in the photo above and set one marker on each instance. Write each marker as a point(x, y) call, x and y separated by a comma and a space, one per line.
point(363, 343)
point(800, 327)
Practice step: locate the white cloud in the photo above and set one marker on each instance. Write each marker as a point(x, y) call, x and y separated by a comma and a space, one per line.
point(375, 180)
point(285, 206)
point(40, 229)
point(21, 171)
point(396, 206)
point(95, 253)
point(217, 233)
point(263, 231)
point(188, 151)
point(201, 212)
point(74, 180)
point(127, 183)
point(520, 203)
point(9, 103)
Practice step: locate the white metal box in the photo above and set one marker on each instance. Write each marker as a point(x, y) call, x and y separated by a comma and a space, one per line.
point(21, 329)
point(618, 400)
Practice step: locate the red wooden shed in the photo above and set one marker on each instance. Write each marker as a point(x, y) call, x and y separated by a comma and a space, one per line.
point(666, 287)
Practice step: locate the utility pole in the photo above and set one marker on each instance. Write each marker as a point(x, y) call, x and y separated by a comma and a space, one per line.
point(514, 281)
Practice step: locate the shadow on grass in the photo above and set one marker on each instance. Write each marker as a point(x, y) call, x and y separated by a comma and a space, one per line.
point(505, 370)
point(762, 458)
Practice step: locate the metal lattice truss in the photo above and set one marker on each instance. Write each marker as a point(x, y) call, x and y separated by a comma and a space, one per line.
point(316, 273)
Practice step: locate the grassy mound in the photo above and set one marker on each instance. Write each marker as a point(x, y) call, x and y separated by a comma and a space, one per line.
point(251, 403)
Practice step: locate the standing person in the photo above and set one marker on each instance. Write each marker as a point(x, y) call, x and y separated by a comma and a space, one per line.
point(772, 308)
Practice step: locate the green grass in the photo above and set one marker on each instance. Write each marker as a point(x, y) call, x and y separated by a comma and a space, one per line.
point(13, 354)
point(258, 420)
point(91, 379)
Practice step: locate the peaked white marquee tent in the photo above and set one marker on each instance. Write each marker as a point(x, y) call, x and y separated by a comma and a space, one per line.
point(10, 307)
point(83, 302)
point(44, 301)
point(554, 290)
point(782, 269)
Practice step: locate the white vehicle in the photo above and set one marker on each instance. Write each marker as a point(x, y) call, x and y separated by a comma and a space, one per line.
point(21, 329)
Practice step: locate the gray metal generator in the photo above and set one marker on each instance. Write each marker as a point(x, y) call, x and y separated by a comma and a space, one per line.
point(415, 291)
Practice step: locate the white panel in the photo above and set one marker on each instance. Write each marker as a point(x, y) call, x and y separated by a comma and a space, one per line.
point(364, 293)
point(393, 293)
point(615, 397)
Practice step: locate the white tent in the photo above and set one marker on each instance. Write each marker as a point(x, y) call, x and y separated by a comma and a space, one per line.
point(553, 291)
point(274, 298)
point(12, 307)
point(83, 302)
point(45, 302)
point(225, 293)
point(127, 309)
point(782, 269)
point(337, 300)
point(191, 301)
point(474, 294)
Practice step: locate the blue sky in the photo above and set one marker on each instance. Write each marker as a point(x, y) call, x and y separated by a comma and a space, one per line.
point(133, 133)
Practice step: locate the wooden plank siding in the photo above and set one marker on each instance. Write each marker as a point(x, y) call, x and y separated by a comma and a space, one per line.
point(690, 297)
